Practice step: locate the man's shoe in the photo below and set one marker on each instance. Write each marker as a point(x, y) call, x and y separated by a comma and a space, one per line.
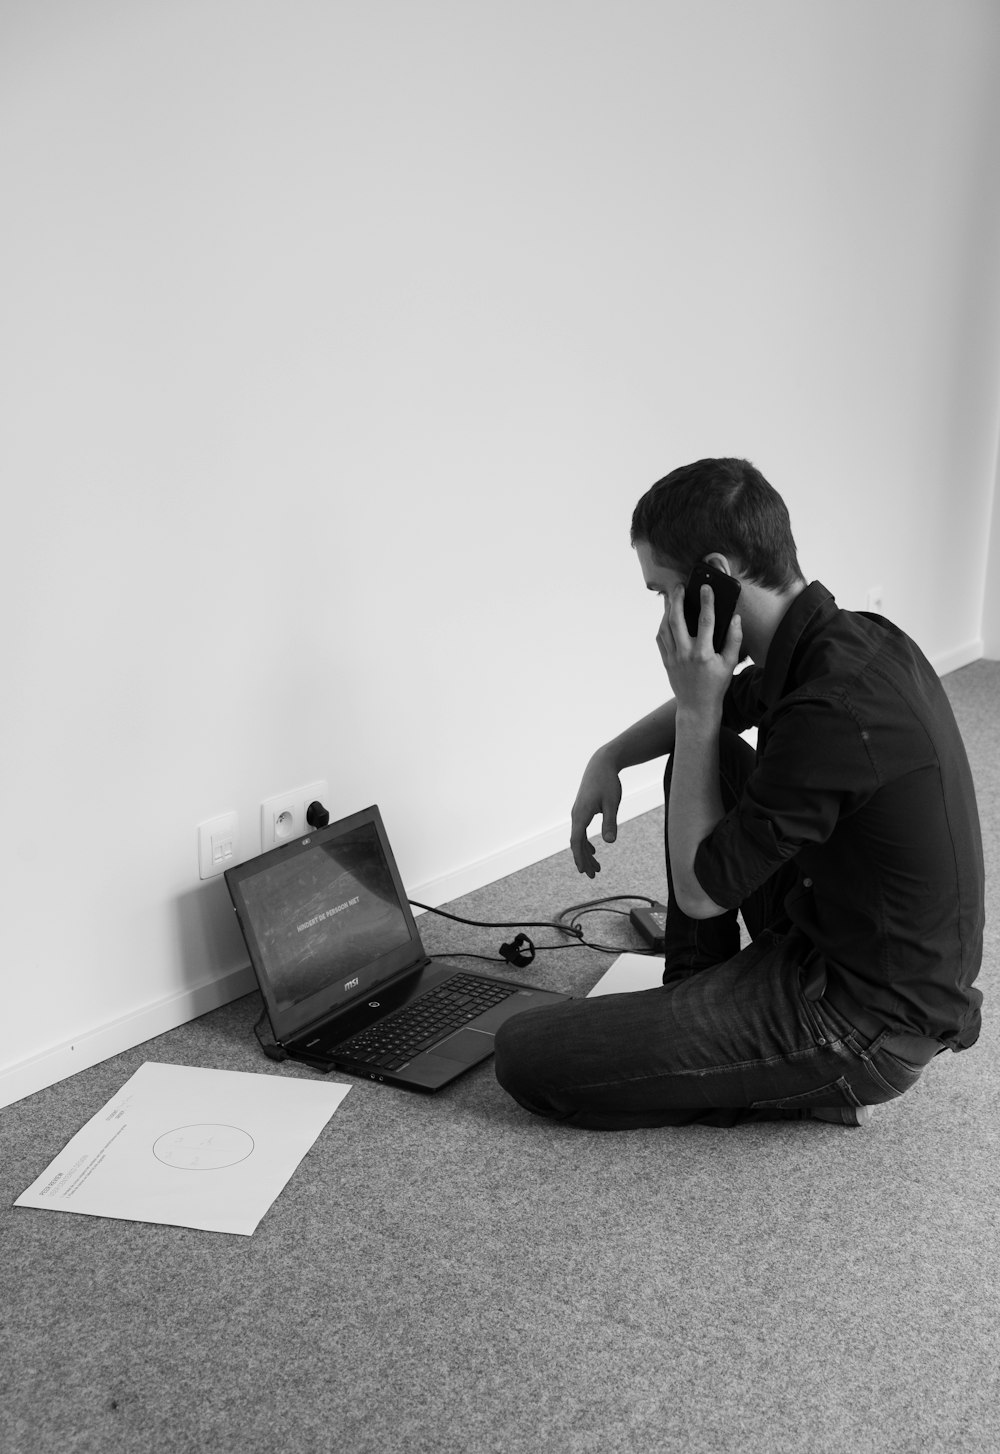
point(843, 1115)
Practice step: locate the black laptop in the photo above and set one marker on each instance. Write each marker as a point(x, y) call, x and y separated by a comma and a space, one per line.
point(343, 973)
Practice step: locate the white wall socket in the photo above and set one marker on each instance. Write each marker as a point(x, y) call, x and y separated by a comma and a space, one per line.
point(875, 601)
point(284, 817)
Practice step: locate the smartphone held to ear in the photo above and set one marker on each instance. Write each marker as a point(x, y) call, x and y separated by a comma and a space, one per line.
point(726, 591)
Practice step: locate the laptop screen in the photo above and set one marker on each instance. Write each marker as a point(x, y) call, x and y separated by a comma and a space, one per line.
point(325, 919)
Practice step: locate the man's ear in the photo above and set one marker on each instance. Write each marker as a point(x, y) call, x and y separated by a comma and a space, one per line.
point(722, 563)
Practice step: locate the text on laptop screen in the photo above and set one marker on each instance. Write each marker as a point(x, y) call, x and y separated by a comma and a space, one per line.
point(326, 915)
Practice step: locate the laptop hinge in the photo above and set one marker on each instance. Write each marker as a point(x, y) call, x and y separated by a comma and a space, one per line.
point(272, 1048)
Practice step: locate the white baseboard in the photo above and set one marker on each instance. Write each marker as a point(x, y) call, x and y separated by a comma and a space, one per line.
point(43, 1070)
point(531, 850)
point(959, 657)
point(32, 1075)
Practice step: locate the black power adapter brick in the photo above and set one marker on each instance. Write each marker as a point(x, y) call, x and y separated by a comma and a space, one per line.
point(651, 923)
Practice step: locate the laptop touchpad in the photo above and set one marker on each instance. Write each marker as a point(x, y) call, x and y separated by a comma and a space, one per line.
point(466, 1046)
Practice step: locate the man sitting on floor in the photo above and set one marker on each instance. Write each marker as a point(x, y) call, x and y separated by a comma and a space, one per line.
point(849, 841)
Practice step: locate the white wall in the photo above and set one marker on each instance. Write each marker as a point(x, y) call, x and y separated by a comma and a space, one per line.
point(991, 598)
point(340, 339)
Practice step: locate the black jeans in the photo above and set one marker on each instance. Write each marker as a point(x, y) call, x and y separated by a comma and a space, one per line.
point(732, 1036)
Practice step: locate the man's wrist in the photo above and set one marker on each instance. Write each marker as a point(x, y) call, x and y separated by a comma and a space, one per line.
point(699, 722)
point(605, 756)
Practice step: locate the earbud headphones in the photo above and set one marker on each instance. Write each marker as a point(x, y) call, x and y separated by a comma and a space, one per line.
point(520, 952)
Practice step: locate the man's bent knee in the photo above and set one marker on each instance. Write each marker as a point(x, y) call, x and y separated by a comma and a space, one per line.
point(523, 1053)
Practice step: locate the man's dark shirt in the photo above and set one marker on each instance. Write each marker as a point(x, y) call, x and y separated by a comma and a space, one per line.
point(863, 779)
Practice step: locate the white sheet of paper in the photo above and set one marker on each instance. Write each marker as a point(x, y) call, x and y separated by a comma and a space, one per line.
point(189, 1147)
point(630, 972)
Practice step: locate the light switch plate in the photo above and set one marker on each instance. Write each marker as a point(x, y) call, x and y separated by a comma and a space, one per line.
point(218, 844)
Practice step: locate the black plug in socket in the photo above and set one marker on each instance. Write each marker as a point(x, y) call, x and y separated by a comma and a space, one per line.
point(651, 923)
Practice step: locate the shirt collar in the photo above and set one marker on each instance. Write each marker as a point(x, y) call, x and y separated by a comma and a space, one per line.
point(794, 624)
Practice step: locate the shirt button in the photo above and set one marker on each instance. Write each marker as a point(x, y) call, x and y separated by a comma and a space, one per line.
point(807, 883)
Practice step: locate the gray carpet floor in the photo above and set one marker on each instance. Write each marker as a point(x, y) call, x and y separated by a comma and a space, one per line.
point(449, 1274)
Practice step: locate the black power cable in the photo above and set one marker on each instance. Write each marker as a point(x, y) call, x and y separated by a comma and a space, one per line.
point(522, 951)
point(496, 923)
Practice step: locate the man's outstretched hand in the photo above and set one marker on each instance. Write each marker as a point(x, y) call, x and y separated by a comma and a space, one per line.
point(600, 792)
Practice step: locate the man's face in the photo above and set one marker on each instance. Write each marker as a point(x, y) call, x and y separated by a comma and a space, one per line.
point(663, 579)
point(658, 577)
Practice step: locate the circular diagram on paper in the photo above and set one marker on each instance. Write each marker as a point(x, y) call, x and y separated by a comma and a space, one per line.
point(203, 1148)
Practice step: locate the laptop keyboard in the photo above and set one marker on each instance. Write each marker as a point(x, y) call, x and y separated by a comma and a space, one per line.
point(423, 1022)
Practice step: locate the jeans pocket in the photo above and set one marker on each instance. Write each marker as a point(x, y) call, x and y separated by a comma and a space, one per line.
point(825, 1029)
point(893, 1077)
point(837, 1093)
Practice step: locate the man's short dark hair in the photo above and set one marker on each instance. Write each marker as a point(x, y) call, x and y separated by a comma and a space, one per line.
point(723, 505)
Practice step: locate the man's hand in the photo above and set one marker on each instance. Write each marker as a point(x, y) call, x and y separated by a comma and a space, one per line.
point(600, 792)
point(699, 676)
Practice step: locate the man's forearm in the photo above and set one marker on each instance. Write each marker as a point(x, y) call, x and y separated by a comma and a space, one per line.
point(694, 809)
point(651, 737)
